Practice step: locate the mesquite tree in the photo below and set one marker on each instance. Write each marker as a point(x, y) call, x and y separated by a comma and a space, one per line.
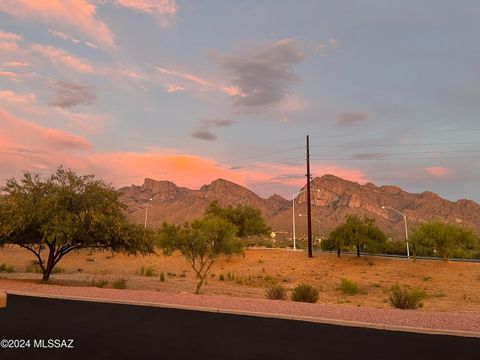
point(200, 242)
point(357, 232)
point(66, 212)
point(446, 239)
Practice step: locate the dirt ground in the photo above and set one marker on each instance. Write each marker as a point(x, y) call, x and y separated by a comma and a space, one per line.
point(451, 286)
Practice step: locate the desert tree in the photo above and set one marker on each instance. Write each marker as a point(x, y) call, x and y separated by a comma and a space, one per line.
point(247, 219)
point(445, 238)
point(201, 243)
point(358, 232)
point(65, 212)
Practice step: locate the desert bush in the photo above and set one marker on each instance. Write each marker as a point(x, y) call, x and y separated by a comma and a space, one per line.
point(162, 277)
point(99, 283)
point(147, 271)
point(349, 287)
point(277, 292)
point(57, 270)
point(221, 277)
point(6, 268)
point(33, 267)
point(305, 293)
point(120, 283)
point(403, 298)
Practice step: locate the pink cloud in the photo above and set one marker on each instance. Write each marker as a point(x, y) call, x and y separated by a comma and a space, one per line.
point(8, 74)
point(183, 75)
point(9, 46)
point(13, 97)
point(8, 36)
point(203, 83)
point(164, 11)
point(61, 57)
point(16, 64)
point(174, 88)
point(73, 14)
point(437, 171)
point(18, 132)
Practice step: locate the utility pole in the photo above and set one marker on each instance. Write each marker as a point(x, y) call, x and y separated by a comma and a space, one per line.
point(309, 203)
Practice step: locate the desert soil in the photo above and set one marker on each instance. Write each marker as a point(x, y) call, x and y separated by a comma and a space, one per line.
point(452, 302)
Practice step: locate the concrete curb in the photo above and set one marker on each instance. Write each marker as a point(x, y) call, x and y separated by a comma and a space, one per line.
point(327, 321)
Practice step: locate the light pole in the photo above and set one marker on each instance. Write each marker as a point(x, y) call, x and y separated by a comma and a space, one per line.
point(406, 229)
point(146, 211)
point(293, 215)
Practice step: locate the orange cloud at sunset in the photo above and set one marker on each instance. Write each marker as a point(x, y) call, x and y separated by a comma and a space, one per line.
point(28, 146)
point(437, 171)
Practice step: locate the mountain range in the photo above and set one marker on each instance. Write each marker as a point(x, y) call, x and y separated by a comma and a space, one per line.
point(332, 199)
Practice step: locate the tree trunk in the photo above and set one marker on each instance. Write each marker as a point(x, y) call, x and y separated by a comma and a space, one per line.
point(49, 266)
point(338, 251)
point(199, 285)
point(358, 250)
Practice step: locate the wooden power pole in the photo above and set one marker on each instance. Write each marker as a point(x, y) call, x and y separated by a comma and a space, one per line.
point(309, 203)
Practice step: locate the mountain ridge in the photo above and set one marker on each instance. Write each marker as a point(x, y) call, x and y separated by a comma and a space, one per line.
point(332, 199)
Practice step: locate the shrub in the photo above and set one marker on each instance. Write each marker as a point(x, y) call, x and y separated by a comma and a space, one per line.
point(120, 284)
point(57, 270)
point(305, 293)
point(147, 271)
point(349, 287)
point(162, 277)
point(99, 283)
point(221, 277)
point(402, 298)
point(6, 268)
point(33, 267)
point(276, 292)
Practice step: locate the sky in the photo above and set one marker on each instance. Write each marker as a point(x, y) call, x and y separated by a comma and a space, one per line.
point(191, 91)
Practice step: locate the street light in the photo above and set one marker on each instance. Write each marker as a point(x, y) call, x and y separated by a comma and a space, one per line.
point(293, 215)
point(146, 212)
point(406, 230)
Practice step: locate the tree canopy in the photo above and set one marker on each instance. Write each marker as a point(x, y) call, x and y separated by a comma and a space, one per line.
point(66, 212)
point(358, 232)
point(248, 220)
point(446, 239)
point(200, 242)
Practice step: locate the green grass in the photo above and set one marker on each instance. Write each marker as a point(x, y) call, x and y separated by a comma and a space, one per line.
point(348, 287)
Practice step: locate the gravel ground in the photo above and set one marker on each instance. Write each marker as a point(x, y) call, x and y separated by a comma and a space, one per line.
point(456, 322)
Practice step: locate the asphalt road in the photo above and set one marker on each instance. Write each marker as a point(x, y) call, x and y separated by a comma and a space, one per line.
point(115, 331)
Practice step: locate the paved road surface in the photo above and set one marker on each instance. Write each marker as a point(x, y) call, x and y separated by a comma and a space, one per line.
point(114, 331)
